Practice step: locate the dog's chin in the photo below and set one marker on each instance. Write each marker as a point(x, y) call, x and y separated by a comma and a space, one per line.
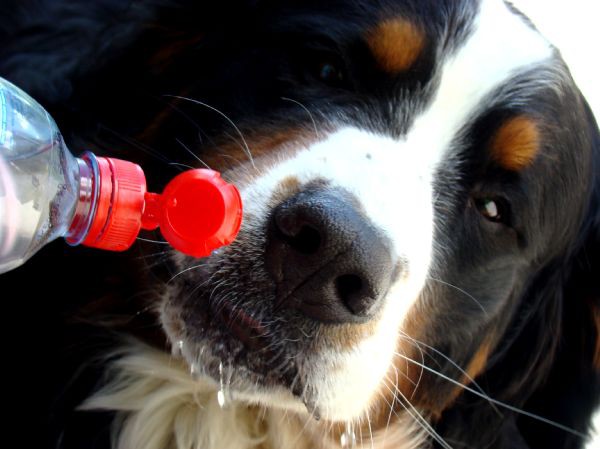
point(276, 370)
point(232, 349)
point(220, 318)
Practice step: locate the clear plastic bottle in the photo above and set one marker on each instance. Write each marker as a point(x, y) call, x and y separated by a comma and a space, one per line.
point(46, 193)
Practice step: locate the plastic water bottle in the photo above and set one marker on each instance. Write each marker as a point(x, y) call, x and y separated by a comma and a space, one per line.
point(46, 193)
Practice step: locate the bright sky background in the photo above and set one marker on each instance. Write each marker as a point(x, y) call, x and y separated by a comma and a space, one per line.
point(573, 26)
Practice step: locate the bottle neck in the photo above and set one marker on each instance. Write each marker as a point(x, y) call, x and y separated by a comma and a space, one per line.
point(87, 199)
point(113, 204)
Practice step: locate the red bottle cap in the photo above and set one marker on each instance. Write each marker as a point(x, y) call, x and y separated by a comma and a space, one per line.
point(198, 211)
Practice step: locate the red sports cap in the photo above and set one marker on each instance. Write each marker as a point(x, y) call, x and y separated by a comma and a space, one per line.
point(197, 213)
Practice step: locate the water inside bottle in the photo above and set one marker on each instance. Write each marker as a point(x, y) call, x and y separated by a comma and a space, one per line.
point(38, 178)
point(33, 194)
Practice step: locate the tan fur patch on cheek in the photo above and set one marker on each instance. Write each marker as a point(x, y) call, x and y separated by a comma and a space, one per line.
point(246, 159)
point(261, 150)
point(286, 188)
point(408, 349)
point(344, 337)
point(478, 362)
point(475, 368)
point(396, 44)
point(515, 145)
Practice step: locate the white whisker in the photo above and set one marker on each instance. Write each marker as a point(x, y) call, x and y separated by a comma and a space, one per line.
point(495, 401)
point(307, 111)
point(161, 242)
point(453, 363)
point(136, 144)
point(179, 165)
point(370, 429)
point(467, 294)
point(194, 155)
point(416, 415)
point(157, 254)
point(245, 144)
point(412, 340)
point(185, 270)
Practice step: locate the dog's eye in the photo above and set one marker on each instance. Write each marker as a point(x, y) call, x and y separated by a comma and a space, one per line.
point(322, 62)
point(496, 210)
point(330, 72)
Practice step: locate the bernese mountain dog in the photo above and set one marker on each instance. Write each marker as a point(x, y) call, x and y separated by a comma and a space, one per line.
point(419, 260)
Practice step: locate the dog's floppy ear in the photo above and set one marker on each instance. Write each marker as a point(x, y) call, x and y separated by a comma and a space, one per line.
point(571, 392)
point(549, 361)
point(589, 261)
point(586, 274)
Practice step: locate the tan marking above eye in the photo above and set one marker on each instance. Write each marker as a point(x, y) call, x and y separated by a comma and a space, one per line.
point(515, 145)
point(396, 44)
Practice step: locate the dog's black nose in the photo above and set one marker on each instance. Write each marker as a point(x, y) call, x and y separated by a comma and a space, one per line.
point(326, 258)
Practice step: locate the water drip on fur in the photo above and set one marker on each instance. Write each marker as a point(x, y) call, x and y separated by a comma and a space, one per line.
point(312, 408)
point(348, 437)
point(177, 348)
point(195, 371)
point(223, 395)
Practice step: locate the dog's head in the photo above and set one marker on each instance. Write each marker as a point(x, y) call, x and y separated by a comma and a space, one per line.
point(421, 187)
point(418, 180)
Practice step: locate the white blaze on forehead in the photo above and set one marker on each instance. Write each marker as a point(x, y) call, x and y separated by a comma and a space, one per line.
point(393, 179)
point(500, 46)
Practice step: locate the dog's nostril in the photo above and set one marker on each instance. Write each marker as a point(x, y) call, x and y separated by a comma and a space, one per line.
point(306, 241)
point(347, 286)
point(355, 293)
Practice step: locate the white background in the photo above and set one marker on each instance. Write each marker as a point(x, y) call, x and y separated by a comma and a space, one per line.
point(574, 27)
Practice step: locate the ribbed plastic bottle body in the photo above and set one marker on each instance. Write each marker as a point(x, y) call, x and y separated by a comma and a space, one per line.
point(39, 178)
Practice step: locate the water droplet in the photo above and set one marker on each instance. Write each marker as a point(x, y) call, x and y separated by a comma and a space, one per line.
point(221, 398)
point(348, 437)
point(222, 393)
point(177, 348)
point(194, 371)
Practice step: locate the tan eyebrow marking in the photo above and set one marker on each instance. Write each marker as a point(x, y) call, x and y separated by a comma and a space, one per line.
point(515, 145)
point(396, 44)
